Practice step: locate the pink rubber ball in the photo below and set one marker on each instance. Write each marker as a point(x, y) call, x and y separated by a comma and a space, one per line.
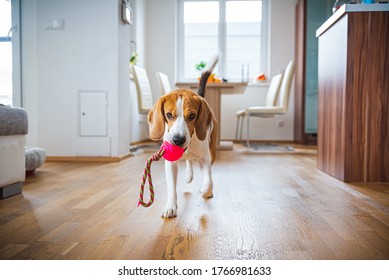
point(172, 152)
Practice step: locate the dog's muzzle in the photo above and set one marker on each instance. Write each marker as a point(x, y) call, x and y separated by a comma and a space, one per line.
point(178, 140)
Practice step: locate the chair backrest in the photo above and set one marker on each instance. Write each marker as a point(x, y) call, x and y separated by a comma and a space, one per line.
point(283, 97)
point(164, 83)
point(143, 89)
point(274, 89)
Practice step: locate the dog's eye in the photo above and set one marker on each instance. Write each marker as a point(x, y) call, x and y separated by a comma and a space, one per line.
point(192, 116)
point(169, 116)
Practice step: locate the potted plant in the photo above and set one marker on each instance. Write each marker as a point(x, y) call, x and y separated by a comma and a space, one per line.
point(134, 58)
point(200, 66)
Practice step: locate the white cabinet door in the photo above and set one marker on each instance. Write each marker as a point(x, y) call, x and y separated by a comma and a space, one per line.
point(93, 111)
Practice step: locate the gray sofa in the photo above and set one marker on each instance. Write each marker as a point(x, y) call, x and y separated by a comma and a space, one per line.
point(13, 128)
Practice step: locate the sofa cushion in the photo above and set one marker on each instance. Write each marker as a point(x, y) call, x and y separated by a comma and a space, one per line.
point(13, 121)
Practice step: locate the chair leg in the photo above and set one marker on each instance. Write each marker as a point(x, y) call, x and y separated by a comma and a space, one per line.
point(248, 131)
point(237, 127)
point(241, 128)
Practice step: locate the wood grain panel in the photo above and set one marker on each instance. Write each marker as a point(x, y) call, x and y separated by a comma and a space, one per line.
point(357, 81)
point(368, 88)
point(377, 166)
point(354, 98)
point(332, 84)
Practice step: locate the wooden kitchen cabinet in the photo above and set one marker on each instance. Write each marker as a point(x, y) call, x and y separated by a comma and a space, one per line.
point(353, 72)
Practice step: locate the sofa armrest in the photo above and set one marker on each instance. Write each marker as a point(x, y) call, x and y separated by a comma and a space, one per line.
point(13, 121)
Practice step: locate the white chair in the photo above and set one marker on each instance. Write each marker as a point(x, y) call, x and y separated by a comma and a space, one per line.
point(271, 101)
point(143, 89)
point(164, 83)
point(270, 111)
point(144, 96)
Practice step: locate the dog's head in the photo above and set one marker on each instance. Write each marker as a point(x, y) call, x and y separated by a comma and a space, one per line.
point(177, 115)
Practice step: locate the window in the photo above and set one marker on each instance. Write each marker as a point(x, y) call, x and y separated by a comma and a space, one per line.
point(10, 73)
point(5, 53)
point(233, 29)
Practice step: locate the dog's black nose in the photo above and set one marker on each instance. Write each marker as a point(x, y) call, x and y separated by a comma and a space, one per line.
point(178, 140)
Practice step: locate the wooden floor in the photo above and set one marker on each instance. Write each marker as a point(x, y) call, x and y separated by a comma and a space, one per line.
point(266, 205)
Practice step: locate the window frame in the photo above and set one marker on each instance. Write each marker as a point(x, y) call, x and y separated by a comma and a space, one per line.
point(265, 57)
point(14, 39)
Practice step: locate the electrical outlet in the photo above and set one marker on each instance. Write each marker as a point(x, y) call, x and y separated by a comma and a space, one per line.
point(56, 24)
point(280, 123)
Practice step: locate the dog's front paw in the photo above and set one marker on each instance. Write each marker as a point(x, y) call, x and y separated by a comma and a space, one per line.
point(169, 212)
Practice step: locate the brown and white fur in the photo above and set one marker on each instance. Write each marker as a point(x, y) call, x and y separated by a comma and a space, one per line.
point(185, 119)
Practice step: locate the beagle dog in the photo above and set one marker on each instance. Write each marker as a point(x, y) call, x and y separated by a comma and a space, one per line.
point(185, 119)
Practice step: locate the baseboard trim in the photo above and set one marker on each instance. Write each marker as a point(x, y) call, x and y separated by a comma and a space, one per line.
point(262, 141)
point(145, 141)
point(87, 159)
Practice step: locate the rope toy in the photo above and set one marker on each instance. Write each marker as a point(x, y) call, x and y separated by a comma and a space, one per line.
point(170, 153)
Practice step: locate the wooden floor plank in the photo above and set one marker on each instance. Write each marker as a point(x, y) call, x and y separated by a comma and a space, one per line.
point(266, 205)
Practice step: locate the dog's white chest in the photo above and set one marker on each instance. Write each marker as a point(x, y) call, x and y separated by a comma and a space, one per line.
point(197, 149)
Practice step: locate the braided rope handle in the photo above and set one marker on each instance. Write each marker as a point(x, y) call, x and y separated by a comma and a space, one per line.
point(147, 175)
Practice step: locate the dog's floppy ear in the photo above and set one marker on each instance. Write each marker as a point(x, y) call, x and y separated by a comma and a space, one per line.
point(157, 120)
point(204, 119)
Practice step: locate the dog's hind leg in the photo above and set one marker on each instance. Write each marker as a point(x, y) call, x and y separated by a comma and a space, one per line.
point(207, 189)
point(189, 171)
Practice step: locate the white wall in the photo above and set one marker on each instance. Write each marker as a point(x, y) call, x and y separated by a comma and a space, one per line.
point(161, 40)
point(122, 116)
point(29, 68)
point(160, 49)
point(138, 131)
point(90, 54)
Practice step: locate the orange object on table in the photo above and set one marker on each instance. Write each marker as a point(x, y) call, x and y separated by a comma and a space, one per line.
point(261, 77)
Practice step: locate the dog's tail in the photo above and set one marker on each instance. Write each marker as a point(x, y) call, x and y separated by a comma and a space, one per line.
point(203, 82)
